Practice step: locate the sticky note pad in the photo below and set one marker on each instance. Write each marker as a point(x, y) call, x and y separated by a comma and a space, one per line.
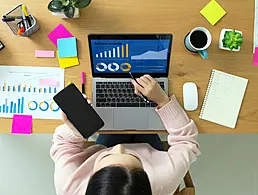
point(22, 124)
point(255, 60)
point(67, 47)
point(49, 82)
point(68, 62)
point(59, 32)
point(213, 12)
point(44, 54)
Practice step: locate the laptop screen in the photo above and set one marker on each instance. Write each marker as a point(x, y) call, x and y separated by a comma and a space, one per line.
point(138, 54)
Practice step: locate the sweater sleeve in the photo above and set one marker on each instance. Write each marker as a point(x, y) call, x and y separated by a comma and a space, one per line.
point(66, 153)
point(182, 138)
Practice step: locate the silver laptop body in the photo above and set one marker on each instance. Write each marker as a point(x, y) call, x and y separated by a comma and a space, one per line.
point(123, 118)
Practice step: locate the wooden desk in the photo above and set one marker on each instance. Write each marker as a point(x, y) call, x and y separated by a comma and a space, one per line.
point(145, 16)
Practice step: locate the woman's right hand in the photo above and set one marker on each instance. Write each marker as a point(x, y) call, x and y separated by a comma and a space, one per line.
point(151, 89)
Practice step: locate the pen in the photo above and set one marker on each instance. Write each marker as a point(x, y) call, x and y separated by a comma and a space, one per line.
point(25, 11)
point(83, 81)
point(10, 18)
point(143, 96)
point(21, 29)
point(25, 17)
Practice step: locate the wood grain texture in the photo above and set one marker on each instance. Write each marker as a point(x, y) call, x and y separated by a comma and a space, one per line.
point(145, 16)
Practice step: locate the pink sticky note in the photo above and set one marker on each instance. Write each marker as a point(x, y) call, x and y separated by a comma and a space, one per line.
point(255, 60)
point(22, 124)
point(44, 54)
point(59, 32)
point(49, 82)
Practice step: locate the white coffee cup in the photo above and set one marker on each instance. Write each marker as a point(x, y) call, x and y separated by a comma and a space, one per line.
point(198, 41)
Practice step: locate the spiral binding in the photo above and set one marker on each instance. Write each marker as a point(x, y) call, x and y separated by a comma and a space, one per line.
point(207, 93)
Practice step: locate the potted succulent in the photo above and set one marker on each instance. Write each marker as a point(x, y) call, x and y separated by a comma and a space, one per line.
point(67, 8)
point(230, 39)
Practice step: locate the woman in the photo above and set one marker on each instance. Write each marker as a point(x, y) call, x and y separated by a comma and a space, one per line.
point(128, 169)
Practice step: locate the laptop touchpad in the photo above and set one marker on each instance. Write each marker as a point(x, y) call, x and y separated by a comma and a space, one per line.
point(130, 119)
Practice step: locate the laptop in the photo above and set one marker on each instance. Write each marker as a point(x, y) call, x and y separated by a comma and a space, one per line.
point(112, 58)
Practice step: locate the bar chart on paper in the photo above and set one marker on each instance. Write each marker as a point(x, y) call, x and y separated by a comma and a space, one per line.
point(30, 91)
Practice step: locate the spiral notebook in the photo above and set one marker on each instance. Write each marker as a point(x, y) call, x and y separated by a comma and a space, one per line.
point(223, 98)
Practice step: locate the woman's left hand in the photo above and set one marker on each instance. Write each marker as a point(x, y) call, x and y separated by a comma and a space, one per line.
point(64, 117)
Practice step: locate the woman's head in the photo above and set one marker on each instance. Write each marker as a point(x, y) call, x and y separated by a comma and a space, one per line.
point(119, 180)
point(118, 172)
point(117, 156)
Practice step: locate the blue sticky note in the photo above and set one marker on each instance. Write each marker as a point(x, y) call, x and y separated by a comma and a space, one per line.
point(67, 47)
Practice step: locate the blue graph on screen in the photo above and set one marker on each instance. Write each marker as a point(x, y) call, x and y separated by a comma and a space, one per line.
point(122, 56)
point(152, 55)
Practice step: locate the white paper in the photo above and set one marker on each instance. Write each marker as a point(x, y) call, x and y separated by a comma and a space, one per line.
point(21, 85)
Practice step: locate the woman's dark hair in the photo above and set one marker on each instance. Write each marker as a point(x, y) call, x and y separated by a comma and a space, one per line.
point(118, 180)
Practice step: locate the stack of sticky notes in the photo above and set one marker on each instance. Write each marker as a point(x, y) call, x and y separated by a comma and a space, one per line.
point(66, 46)
point(213, 12)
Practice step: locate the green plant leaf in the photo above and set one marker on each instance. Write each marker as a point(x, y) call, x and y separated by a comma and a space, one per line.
point(65, 2)
point(235, 44)
point(55, 6)
point(69, 11)
point(238, 35)
point(81, 3)
point(228, 42)
point(227, 36)
point(231, 33)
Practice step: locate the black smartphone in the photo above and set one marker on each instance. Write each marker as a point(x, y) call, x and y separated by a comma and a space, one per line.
point(81, 114)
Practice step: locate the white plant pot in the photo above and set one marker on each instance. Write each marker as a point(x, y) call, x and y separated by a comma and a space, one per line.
point(62, 15)
point(222, 34)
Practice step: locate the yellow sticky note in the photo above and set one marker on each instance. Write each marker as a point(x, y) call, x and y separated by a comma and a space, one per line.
point(67, 62)
point(213, 12)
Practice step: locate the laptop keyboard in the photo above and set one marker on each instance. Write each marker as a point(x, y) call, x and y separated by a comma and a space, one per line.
point(119, 94)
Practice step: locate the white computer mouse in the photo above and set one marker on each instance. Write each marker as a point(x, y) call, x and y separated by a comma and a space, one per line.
point(190, 95)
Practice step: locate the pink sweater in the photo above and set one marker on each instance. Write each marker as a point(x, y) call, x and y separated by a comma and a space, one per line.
point(74, 164)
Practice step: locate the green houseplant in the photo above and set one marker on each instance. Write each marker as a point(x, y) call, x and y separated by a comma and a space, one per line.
point(68, 7)
point(231, 39)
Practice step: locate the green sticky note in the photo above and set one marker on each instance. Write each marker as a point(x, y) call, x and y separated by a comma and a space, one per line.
point(213, 12)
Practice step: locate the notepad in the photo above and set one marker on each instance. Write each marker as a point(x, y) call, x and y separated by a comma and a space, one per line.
point(223, 98)
point(67, 47)
point(213, 12)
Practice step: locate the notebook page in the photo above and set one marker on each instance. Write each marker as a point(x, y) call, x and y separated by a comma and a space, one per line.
point(224, 99)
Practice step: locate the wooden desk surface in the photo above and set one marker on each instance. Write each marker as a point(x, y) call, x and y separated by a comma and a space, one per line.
point(145, 16)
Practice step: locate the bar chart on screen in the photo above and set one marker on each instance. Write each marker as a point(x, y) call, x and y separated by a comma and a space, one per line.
point(30, 91)
point(115, 52)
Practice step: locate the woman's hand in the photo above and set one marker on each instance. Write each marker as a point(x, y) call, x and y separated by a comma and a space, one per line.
point(151, 89)
point(64, 117)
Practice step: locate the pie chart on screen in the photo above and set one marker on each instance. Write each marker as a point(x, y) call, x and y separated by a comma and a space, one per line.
point(101, 67)
point(113, 67)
